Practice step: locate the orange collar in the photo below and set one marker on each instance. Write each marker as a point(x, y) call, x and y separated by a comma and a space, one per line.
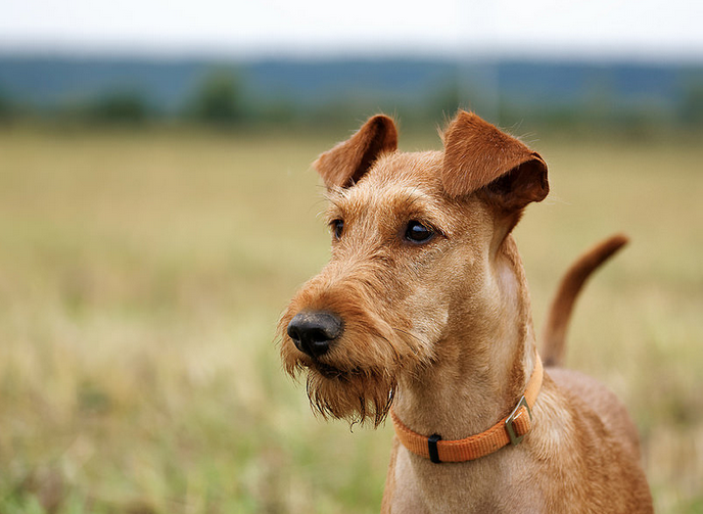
point(510, 429)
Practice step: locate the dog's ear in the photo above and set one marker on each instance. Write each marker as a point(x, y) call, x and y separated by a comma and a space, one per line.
point(478, 156)
point(347, 162)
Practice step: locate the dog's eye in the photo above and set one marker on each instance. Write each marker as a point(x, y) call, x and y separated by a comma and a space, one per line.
point(337, 227)
point(416, 232)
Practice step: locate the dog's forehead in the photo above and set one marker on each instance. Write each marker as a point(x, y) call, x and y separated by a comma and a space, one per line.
point(398, 172)
point(415, 169)
point(395, 180)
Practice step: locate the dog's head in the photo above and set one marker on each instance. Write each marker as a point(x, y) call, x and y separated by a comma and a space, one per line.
point(415, 238)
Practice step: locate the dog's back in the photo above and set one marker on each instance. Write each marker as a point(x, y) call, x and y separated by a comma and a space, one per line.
point(585, 390)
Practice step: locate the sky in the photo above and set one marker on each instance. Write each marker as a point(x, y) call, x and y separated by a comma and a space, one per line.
point(642, 29)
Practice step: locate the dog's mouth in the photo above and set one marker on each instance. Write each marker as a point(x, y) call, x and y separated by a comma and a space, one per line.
point(332, 373)
point(328, 371)
point(316, 365)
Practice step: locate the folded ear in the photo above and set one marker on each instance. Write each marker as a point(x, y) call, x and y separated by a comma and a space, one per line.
point(477, 155)
point(346, 163)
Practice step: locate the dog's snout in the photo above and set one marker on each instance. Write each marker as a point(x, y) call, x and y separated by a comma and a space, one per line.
point(314, 332)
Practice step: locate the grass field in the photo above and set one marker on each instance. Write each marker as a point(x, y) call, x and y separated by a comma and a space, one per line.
point(142, 275)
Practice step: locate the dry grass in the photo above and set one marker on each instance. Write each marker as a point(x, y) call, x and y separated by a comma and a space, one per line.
point(142, 274)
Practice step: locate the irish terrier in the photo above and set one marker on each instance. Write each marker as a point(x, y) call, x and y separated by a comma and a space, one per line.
point(424, 307)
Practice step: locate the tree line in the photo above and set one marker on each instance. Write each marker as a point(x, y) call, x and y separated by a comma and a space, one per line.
point(221, 100)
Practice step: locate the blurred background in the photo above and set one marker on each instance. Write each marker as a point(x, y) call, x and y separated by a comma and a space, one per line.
point(158, 210)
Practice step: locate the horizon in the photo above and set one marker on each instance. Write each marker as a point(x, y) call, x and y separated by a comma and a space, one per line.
point(119, 54)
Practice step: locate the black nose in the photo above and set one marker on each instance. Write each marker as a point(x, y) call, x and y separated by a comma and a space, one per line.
point(314, 332)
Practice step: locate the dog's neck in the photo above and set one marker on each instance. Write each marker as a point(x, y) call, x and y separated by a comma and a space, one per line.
point(483, 362)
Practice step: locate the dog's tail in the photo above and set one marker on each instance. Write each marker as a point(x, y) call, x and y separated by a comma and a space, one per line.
point(554, 335)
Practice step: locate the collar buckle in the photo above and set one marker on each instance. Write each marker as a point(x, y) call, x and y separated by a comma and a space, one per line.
point(518, 428)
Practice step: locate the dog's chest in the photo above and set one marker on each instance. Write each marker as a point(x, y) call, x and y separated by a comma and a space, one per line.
point(424, 487)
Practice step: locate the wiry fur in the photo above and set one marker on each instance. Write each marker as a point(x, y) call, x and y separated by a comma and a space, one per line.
point(358, 378)
point(442, 330)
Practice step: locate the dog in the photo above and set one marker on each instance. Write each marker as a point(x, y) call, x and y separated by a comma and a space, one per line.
point(423, 313)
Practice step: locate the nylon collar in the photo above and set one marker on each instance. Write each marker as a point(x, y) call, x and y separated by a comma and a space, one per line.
point(509, 430)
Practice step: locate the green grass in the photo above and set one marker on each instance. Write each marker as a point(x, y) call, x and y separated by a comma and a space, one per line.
point(142, 275)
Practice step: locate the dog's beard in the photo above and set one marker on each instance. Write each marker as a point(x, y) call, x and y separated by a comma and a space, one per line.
point(358, 396)
point(357, 380)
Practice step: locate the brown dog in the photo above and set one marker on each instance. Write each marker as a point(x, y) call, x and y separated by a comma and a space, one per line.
point(425, 307)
